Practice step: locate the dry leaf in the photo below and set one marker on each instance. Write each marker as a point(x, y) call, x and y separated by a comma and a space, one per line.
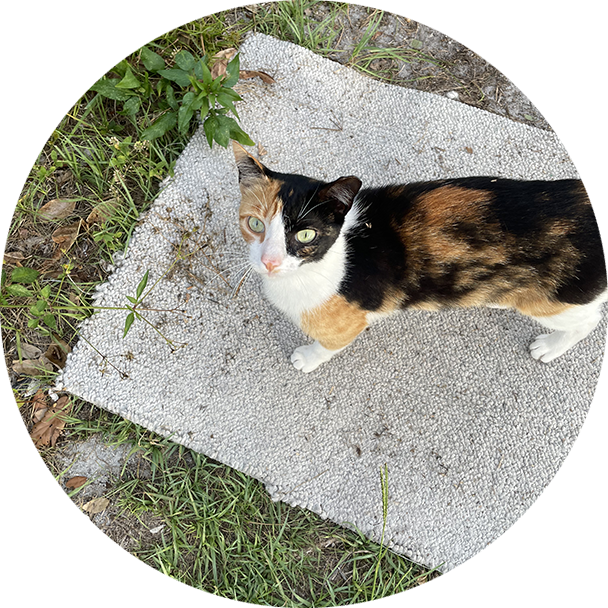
point(468, 149)
point(57, 209)
point(38, 415)
point(47, 431)
point(29, 351)
point(103, 212)
point(13, 257)
point(97, 505)
point(245, 74)
point(261, 150)
point(75, 482)
point(32, 367)
point(227, 54)
point(39, 400)
point(219, 68)
point(65, 236)
point(57, 353)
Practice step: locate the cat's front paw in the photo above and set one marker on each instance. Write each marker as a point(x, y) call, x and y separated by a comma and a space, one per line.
point(308, 357)
point(547, 347)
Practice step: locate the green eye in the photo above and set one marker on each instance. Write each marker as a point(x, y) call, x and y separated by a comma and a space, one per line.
point(255, 224)
point(306, 236)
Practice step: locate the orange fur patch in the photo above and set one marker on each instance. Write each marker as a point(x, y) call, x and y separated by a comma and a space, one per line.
point(335, 324)
point(259, 200)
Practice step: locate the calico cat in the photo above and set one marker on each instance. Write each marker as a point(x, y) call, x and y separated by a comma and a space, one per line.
point(334, 257)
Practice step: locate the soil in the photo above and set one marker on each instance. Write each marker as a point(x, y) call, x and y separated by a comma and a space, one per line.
point(436, 64)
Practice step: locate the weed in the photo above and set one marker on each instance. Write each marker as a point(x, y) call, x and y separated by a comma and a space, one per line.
point(198, 90)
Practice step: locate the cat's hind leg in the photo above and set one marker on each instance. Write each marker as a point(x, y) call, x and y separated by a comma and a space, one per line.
point(308, 357)
point(570, 327)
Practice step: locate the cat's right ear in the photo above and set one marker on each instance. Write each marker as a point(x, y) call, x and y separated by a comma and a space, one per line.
point(250, 169)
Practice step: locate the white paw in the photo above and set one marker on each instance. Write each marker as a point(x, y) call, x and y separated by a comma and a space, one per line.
point(308, 357)
point(547, 347)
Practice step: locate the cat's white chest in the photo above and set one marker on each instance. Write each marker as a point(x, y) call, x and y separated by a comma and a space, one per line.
point(309, 285)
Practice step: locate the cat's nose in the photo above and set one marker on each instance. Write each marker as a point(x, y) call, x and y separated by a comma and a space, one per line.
point(271, 263)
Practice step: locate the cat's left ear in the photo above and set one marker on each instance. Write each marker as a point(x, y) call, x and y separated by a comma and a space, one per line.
point(343, 191)
point(250, 168)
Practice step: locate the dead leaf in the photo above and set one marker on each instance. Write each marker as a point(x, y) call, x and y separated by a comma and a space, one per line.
point(57, 209)
point(219, 68)
point(39, 400)
point(32, 367)
point(227, 54)
point(261, 150)
point(75, 482)
point(468, 149)
point(245, 74)
point(65, 236)
point(29, 351)
point(97, 505)
point(38, 415)
point(47, 431)
point(13, 257)
point(57, 355)
point(103, 212)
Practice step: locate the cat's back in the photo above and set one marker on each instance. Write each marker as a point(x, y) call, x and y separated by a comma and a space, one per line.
point(439, 241)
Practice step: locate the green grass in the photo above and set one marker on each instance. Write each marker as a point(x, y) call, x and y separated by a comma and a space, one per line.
point(222, 532)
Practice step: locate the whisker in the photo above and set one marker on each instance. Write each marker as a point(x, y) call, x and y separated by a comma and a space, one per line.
point(307, 203)
point(312, 209)
point(237, 289)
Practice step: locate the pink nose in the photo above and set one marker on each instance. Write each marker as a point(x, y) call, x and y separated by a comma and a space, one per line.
point(270, 263)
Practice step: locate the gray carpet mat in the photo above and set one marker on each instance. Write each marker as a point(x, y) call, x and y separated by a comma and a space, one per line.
point(470, 427)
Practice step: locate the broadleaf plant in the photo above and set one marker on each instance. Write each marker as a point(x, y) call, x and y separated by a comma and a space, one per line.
point(181, 92)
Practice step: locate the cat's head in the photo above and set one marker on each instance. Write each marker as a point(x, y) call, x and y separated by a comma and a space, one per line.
point(287, 219)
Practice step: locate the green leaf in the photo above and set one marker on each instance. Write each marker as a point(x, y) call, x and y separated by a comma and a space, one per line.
point(185, 60)
point(209, 127)
point(128, 322)
point(232, 72)
point(152, 61)
point(184, 116)
point(131, 299)
point(204, 108)
point(165, 123)
point(205, 72)
point(121, 68)
point(19, 291)
point(236, 132)
point(38, 308)
point(131, 106)
point(221, 133)
point(225, 101)
point(45, 292)
point(176, 75)
point(142, 285)
point(32, 323)
point(50, 321)
point(107, 88)
point(24, 275)
point(129, 81)
point(230, 93)
point(171, 98)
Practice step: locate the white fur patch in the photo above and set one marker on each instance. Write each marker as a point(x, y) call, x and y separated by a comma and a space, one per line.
point(296, 287)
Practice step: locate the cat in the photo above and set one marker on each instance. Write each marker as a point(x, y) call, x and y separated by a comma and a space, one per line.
point(335, 257)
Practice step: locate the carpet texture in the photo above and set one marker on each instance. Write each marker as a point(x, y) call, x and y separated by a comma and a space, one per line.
point(470, 427)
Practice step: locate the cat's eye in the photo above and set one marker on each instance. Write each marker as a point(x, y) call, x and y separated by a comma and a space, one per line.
point(255, 224)
point(306, 236)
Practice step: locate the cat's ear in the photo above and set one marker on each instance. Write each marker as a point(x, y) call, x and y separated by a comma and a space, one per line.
point(343, 191)
point(250, 168)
